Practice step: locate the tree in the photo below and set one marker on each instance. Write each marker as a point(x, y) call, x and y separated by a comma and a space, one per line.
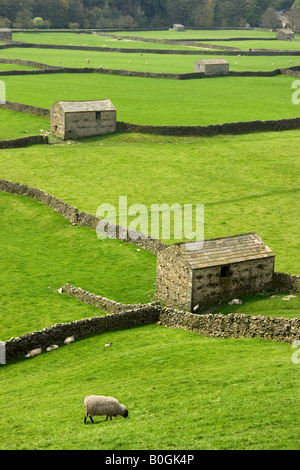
point(23, 20)
point(270, 19)
point(4, 22)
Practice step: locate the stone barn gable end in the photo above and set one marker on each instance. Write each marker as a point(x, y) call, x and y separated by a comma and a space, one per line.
point(212, 66)
point(79, 119)
point(285, 34)
point(5, 34)
point(195, 273)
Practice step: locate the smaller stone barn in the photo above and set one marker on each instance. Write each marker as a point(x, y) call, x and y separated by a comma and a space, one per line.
point(199, 274)
point(285, 35)
point(5, 34)
point(79, 119)
point(178, 27)
point(212, 66)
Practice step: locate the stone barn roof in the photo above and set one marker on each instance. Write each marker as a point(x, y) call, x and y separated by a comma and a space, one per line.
point(286, 31)
point(222, 251)
point(80, 106)
point(212, 61)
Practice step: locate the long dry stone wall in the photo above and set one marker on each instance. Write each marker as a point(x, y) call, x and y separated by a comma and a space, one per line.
point(17, 348)
point(103, 303)
point(233, 325)
point(214, 129)
point(84, 219)
point(23, 141)
point(25, 108)
point(284, 330)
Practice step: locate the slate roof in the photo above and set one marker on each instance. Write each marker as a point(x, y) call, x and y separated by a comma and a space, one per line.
point(80, 106)
point(212, 61)
point(223, 251)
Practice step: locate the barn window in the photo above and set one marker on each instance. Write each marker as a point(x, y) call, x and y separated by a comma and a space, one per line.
point(225, 271)
point(98, 114)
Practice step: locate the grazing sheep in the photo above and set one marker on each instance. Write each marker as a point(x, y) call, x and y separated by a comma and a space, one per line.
point(69, 340)
point(52, 347)
point(98, 405)
point(108, 345)
point(34, 352)
point(235, 302)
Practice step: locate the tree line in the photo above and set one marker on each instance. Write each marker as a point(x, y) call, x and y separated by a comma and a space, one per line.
point(125, 14)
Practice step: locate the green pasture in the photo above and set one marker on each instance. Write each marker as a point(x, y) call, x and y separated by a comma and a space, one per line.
point(246, 182)
point(42, 251)
point(8, 67)
point(91, 40)
point(164, 102)
point(182, 390)
point(143, 62)
point(14, 125)
point(189, 34)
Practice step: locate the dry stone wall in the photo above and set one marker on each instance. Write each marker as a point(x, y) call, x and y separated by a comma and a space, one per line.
point(84, 219)
point(233, 325)
point(23, 141)
point(17, 348)
point(103, 303)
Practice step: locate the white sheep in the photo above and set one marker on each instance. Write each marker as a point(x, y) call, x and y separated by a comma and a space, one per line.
point(69, 340)
point(108, 345)
point(34, 352)
point(98, 405)
point(235, 302)
point(52, 347)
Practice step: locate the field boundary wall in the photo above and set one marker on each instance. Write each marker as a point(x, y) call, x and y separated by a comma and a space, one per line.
point(84, 219)
point(24, 141)
point(224, 51)
point(233, 325)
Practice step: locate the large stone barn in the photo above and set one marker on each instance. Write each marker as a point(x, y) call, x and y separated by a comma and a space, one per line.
point(285, 34)
point(78, 119)
point(199, 274)
point(212, 66)
point(5, 34)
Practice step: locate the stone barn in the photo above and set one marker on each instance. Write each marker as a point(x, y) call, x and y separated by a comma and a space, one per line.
point(5, 34)
point(79, 119)
point(178, 27)
point(200, 274)
point(212, 66)
point(285, 35)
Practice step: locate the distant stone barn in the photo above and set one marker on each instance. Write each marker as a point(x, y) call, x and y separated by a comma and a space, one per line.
point(79, 119)
point(191, 274)
point(5, 34)
point(212, 66)
point(285, 35)
point(178, 27)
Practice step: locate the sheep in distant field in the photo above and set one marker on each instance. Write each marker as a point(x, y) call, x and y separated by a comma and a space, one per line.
point(235, 302)
point(98, 405)
point(52, 347)
point(108, 345)
point(69, 340)
point(34, 352)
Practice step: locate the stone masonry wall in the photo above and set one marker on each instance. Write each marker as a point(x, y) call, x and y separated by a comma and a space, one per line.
point(233, 325)
point(103, 303)
point(84, 219)
point(174, 281)
point(245, 278)
point(17, 348)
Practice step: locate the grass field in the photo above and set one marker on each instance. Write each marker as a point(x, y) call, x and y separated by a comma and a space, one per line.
point(14, 125)
point(175, 63)
point(248, 182)
point(42, 252)
point(148, 101)
point(183, 390)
